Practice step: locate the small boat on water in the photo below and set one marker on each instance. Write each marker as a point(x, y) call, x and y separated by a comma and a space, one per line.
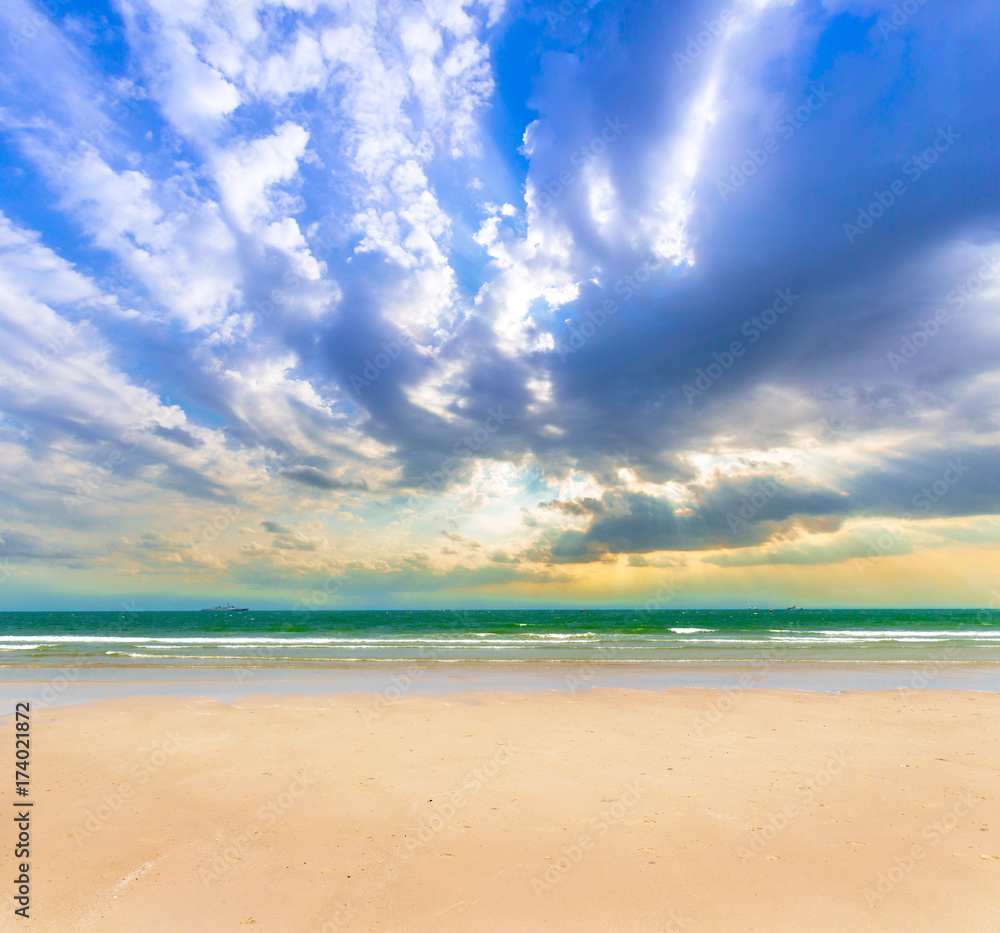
point(229, 607)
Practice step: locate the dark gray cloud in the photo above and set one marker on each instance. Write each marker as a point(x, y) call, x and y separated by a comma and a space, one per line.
point(728, 515)
point(178, 436)
point(736, 515)
point(310, 476)
point(275, 528)
point(27, 546)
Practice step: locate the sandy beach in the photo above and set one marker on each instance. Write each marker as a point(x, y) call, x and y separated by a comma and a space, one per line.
point(652, 811)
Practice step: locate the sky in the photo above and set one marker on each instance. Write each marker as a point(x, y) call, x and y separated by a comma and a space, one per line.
point(474, 304)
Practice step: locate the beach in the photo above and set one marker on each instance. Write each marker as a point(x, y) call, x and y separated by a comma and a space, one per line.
point(646, 810)
point(483, 467)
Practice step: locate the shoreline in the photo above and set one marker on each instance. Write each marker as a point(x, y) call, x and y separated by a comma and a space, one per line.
point(73, 685)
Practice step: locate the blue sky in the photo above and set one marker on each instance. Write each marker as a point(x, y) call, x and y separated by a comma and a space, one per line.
point(474, 304)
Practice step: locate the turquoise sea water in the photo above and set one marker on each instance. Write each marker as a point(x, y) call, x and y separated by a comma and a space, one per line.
point(432, 637)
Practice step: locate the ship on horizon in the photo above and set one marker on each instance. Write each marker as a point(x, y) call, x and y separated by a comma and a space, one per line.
point(229, 607)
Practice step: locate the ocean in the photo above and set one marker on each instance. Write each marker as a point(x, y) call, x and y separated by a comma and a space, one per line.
point(318, 639)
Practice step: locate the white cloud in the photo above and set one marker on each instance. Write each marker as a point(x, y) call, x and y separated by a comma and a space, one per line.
point(301, 69)
point(249, 170)
point(183, 256)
